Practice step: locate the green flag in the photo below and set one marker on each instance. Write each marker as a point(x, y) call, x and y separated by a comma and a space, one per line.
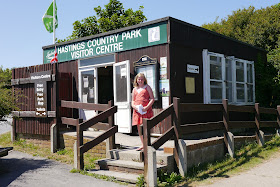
point(48, 18)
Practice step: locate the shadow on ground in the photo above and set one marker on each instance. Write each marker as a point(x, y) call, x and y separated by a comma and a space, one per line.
point(11, 169)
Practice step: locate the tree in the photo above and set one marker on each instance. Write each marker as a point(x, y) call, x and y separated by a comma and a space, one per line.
point(260, 28)
point(112, 17)
point(7, 101)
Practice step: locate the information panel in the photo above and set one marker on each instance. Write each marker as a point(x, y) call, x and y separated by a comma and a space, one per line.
point(40, 85)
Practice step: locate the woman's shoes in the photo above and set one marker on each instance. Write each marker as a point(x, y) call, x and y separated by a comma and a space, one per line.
point(139, 149)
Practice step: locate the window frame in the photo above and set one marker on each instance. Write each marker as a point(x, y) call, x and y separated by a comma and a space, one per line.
point(207, 79)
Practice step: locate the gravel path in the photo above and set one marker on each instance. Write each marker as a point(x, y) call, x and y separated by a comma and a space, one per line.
point(265, 174)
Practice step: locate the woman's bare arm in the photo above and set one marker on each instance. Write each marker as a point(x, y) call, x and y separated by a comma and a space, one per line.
point(152, 99)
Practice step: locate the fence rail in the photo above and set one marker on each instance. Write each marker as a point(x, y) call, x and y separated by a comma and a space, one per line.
point(177, 129)
point(108, 111)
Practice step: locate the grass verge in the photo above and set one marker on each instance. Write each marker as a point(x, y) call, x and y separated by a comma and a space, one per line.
point(64, 155)
point(247, 157)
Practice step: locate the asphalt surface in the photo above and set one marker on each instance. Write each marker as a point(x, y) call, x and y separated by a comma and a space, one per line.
point(21, 170)
point(5, 126)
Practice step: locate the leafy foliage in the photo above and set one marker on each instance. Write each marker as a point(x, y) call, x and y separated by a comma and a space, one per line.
point(260, 28)
point(7, 101)
point(112, 17)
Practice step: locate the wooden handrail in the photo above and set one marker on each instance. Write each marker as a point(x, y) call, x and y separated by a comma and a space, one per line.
point(160, 116)
point(87, 106)
point(226, 125)
point(103, 115)
point(242, 124)
point(70, 121)
point(199, 107)
point(108, 111)
point(202, 127)
point(238, 108)
point(267, 110)
point(163, 138)
point(87, 146)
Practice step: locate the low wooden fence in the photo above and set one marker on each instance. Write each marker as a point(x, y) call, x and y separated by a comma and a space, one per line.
point(108, 111)
point(177, 129)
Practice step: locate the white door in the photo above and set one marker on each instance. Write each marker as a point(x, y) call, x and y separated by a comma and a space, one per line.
point(88, 91)
point(122, 96)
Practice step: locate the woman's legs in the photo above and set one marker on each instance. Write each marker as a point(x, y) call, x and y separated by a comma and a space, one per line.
point(141, 137)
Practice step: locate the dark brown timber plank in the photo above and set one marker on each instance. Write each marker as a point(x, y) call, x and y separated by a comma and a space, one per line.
point(202, 127)
point(87, 106)
point(163, 138)
point(87, 146)
point(160, 116)
point(98, 118)
point(198, 107)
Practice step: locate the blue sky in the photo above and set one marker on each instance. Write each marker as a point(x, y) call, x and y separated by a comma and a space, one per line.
point(22, 33)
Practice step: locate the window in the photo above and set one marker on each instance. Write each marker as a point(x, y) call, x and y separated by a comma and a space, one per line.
point(228, 78)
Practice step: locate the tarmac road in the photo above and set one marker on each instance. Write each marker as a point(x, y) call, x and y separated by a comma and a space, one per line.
point(21, 169)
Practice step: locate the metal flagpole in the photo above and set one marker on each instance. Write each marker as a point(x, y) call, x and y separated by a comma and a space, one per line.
point(54, 20)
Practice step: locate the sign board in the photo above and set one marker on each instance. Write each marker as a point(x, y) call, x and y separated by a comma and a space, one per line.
point(40, 85)
point(148, 66)
point(132, 39)
point(192, 68)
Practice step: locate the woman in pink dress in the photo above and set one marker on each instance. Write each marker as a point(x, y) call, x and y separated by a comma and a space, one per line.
point(142, 101)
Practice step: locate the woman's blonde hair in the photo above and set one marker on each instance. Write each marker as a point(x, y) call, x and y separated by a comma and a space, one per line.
point(135, 84)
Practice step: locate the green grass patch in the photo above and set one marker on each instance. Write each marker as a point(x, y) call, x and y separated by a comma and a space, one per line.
point(248, 156)
point(63, 155)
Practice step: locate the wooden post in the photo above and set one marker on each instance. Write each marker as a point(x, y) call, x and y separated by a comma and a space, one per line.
point(177, 117)
point(80, 155)
point(146, 142)
point(177, 129)
point(278, 120)
point(152, 167)
point(225, 114)
point(259, 133)
point(112, 141)
point(54, 134)
point(228, 136)
point(14, 134)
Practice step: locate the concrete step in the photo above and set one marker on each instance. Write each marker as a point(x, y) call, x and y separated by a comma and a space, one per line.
point(133, 155)
point(124, 166)
point(128, 177)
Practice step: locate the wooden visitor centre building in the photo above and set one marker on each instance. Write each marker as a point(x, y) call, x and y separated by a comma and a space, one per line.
point(179, 60)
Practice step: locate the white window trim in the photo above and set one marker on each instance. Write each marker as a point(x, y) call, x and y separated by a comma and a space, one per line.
point(206, 78)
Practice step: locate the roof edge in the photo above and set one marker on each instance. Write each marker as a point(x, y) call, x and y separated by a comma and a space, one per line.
point(215, 33)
